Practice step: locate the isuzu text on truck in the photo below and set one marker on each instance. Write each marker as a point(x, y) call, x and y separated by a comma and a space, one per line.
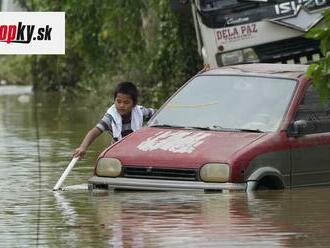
point(243, 31)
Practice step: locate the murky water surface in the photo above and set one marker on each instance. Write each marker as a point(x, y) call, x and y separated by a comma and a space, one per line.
point(37, 137)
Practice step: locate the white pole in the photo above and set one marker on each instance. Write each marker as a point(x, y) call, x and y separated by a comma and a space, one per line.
point(65, 173)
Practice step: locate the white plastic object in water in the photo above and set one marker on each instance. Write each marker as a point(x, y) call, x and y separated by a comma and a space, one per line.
point(65, 173)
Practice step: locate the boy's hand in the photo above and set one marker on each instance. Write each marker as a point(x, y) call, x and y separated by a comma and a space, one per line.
point(206, 67)
point(79, 152)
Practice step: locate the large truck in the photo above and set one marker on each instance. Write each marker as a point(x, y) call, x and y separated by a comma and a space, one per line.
point(247, 31)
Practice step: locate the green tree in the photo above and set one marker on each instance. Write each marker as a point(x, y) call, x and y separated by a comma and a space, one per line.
point(108, 41)
point(320, 72)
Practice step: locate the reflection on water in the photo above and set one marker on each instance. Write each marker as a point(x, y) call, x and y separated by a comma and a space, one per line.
point(33, 215)
point(142, 219)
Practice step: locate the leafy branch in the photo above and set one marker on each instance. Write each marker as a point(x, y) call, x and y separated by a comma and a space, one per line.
point(320, 71)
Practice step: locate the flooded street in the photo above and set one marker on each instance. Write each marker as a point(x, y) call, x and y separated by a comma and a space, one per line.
point(37, 137)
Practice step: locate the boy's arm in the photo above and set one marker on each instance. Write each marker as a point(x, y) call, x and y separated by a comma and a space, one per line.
point(87, 141)
point(103, 125)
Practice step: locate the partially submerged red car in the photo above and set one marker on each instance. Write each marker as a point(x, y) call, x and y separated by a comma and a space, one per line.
point(242, 127)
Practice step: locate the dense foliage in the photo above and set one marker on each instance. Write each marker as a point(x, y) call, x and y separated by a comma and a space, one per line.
point(109, 41)
point(320, 72)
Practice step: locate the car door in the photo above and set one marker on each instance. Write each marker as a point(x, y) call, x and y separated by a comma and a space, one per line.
point(310, 150)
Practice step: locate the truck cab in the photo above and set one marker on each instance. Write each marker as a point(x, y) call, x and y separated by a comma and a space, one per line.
point(247, 31)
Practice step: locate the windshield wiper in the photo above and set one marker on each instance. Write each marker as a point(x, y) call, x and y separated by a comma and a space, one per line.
point(250, 130)
point(201, 128)
point(213, 128)
point(183, 127)
point(167, 126)
point(219, 128)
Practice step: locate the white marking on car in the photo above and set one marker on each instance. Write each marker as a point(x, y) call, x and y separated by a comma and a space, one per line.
point(174, 141)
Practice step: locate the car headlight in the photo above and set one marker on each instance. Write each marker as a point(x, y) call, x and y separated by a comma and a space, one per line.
point(108, 167)
point(247, 55)
point(214, 172)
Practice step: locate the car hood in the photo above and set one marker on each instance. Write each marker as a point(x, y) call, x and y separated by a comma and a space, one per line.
point(174, 148)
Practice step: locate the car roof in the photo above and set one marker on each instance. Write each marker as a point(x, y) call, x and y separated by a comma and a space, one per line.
point(278, 70)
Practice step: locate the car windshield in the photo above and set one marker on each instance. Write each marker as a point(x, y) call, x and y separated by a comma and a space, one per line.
point(225, 102)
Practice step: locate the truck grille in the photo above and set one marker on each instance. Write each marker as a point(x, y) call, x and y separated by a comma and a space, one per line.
point(289, 51)
point(160, 173)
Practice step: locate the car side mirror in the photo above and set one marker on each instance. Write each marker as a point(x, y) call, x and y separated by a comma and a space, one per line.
point(300, 127)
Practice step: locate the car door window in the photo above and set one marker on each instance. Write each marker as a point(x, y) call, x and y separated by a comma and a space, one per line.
point(312, 110)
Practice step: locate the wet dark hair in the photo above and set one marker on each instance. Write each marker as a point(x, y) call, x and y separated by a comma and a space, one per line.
point(127, 88)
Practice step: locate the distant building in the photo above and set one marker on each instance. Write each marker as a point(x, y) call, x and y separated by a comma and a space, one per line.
point(10, 6)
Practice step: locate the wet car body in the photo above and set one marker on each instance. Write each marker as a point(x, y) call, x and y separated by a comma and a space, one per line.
point(185, 147)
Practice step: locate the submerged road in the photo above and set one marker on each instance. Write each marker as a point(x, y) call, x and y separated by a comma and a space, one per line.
point(37, 137)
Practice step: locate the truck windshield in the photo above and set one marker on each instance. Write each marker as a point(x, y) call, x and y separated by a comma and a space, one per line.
point(222, 102)
point(224, 13)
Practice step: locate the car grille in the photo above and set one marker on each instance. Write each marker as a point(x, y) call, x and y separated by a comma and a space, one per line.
point(296, 50)
point(160, 173)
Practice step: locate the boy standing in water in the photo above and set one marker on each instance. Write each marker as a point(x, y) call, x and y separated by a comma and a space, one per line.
point(121, 119)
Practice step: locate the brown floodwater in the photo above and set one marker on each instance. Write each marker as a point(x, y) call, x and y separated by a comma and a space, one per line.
point(37, 137)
